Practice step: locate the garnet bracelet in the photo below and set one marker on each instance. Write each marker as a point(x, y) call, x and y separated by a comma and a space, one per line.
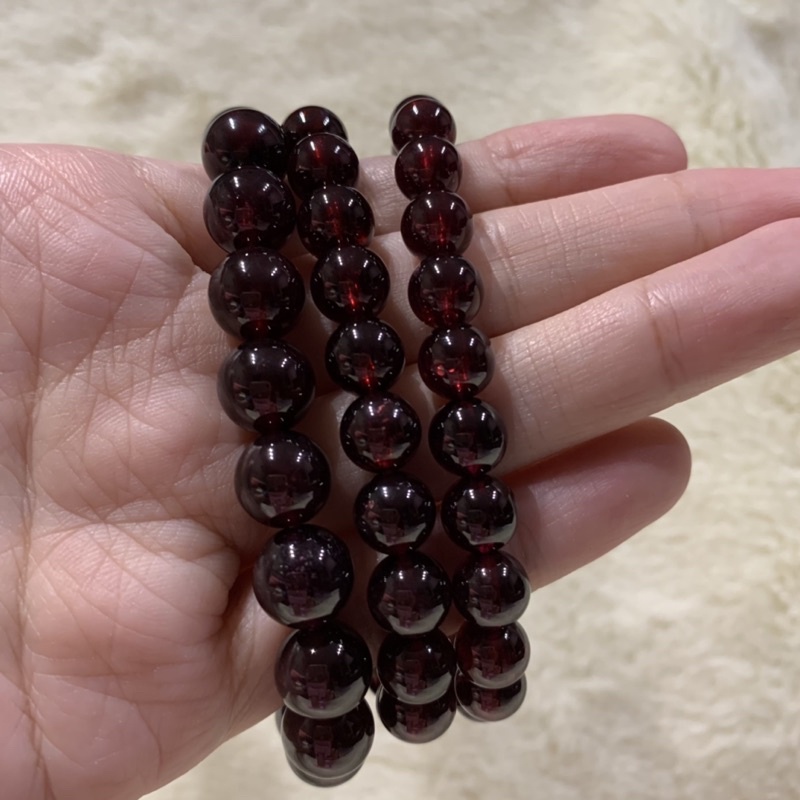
point(304, 575)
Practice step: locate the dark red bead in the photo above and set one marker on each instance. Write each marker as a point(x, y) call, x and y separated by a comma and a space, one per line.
point(489, 705)
point(311, 119)
point(324, 671)
point(256, 293)
point(394, 512)
point(437, 224)
point(249, 207)
point(349, 283)
point(319, 159)
point(330, 751)
point(283, 479)
point(416, 724)
point(467, 437)
point(492, 657)
point(265, 384)
point(421, 116)
point(479, 513)
point(403, 102)
point(426, 164)
point(417, 669)
point(409, 595)
point(334, 216)
point(303, 575)
point(365, 355)
point(444, 291)
point(456, 362)
point(380, 431)
point(243, 137)
point(491, 589)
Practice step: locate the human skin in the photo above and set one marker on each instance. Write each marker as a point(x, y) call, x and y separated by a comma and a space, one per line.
point(617, 283)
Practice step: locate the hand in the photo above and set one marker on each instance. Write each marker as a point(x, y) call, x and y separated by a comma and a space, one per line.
point(131, 642)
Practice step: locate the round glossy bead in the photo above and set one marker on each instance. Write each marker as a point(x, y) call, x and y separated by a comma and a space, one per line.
point(421, 116)
point(492, 657)
point(416, 724)
point(330, 751)
point(417, 669)
point(426, 164)
point(467, 437)
point(304, 121)
point(365, 355)
point(491, 589)
point(283, 479)
point(479, 513)
point(456, 362)
point(256, 293)
point(489, 705)
point(334, 216)
point(243, 137)
point(409, 595)
point(380, 431)
point(324, 671)
point(394, 512)
point(249, 207)
point(304, 574)
point(403, 102)
point(437, 224)
point(319, 159)
point(265, 384)
point(349, 283)
point(445, 291)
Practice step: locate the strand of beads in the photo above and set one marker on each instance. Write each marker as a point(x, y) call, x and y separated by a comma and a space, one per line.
point(304, 575)
point(466, 435)
point(408, 592)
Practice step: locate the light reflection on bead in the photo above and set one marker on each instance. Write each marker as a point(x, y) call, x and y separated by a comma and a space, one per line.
point(328, 752)
point(394, 512)
point(445, 291)
point(417, 669)
point(416, 724)
point(303, 575)
point(239, 137)
point(491, 589)
point(409, 595)
point(492, 657)
point(324, 671)
point(380, 431)
point(282, 479)
point(456, 362)
point(437, 224)
point(249, 207)
point(489, 705)
point(467, 437)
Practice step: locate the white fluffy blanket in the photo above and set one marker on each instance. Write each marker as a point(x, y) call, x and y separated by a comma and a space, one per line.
point(671, 668)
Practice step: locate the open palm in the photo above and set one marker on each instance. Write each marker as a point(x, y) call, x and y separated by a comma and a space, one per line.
point(131, 644)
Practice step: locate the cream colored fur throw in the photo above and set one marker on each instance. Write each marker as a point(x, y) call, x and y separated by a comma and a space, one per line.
point(670, 669)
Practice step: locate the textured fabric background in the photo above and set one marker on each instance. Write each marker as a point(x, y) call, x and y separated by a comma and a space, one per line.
point(670, 668)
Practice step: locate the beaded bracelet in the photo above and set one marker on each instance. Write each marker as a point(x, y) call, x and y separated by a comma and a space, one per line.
point(408, 592)
point(304, 575)
point(466, 436)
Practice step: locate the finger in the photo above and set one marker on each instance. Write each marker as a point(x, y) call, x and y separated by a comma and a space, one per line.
point(571, 510)
point(649, 344)
point(625, 355)
point(540, 259)
point(540, 161)
point(520, 165)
